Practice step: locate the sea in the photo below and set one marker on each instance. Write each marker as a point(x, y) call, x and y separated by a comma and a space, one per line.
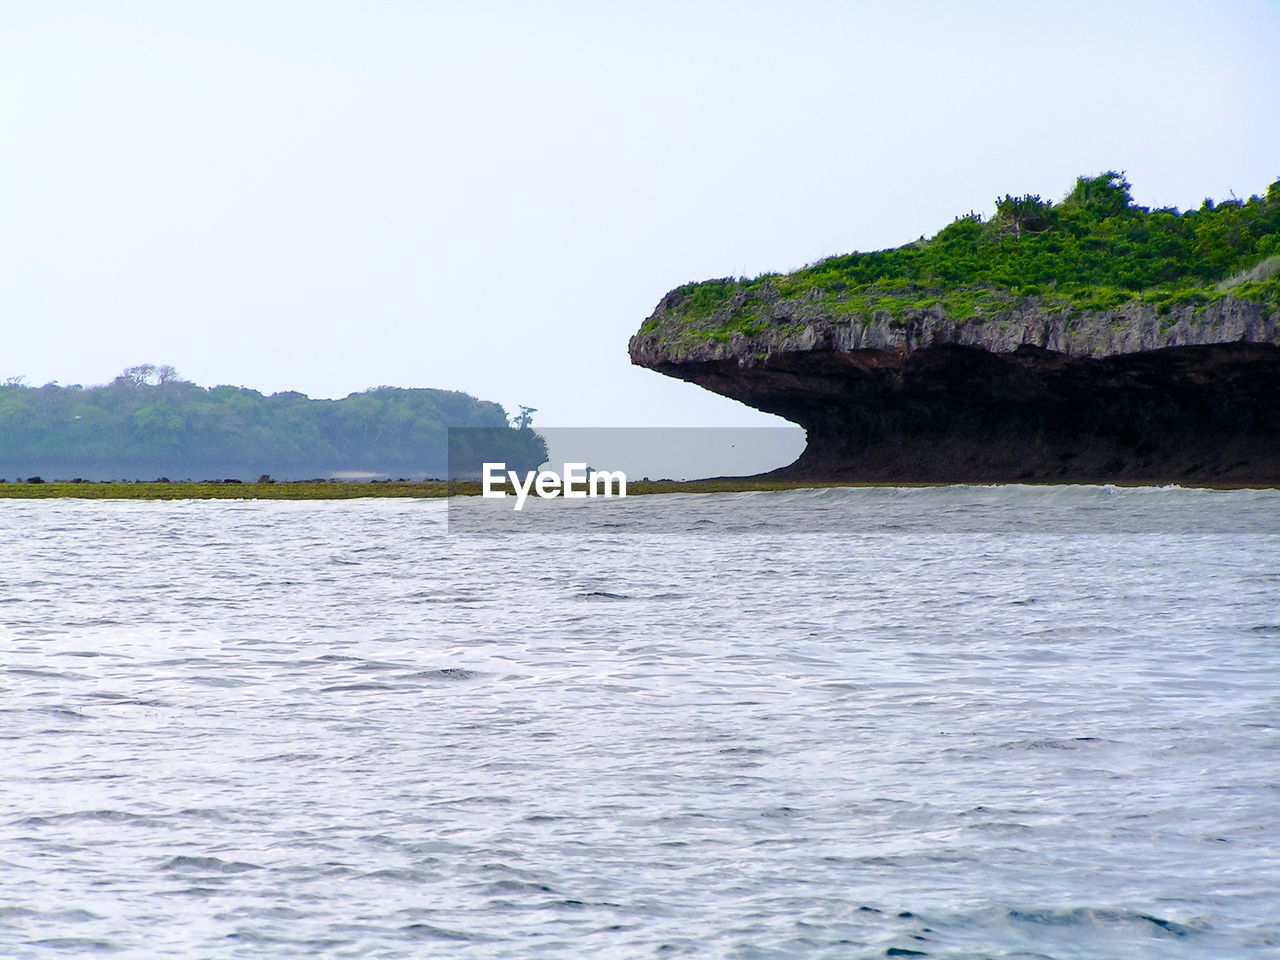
point(956, 722)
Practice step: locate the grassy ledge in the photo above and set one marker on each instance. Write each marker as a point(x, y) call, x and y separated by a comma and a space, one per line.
point(437, 489)
point(1094, 251)
point(280, 490)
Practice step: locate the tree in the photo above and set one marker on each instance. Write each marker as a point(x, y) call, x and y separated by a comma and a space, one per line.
point(138, 375)
point(148, 374)
point(1016, 214)
point(1107, 194)
point(525, 419)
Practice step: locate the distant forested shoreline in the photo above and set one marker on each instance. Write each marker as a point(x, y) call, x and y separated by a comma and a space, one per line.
point(149, 423)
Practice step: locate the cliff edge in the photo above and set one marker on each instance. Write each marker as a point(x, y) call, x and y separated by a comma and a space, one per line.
point(1082, 343)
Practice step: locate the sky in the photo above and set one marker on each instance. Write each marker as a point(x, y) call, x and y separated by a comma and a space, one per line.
point(492, 196)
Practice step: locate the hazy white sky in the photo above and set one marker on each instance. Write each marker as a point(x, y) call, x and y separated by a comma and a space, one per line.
point(491, 197)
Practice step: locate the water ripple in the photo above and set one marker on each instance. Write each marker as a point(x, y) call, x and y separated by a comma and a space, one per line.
point(329, 729)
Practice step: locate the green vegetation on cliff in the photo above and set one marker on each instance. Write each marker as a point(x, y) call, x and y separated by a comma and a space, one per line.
point(148, 422)
point(1093, 251)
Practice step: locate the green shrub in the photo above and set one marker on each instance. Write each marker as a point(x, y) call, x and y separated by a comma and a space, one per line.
point(1093, 251)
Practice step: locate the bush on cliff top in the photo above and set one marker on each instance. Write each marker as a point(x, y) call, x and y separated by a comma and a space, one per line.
point(1094, 250)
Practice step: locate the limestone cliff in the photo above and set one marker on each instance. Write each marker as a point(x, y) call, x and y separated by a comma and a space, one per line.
point(1027, 391)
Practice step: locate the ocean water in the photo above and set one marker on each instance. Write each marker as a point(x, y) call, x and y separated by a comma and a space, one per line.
point(922, 725)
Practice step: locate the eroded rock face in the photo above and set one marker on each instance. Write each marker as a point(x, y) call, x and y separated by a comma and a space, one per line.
point(1191, 396)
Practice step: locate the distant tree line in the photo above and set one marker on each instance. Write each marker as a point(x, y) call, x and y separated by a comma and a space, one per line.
point(149, 422)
